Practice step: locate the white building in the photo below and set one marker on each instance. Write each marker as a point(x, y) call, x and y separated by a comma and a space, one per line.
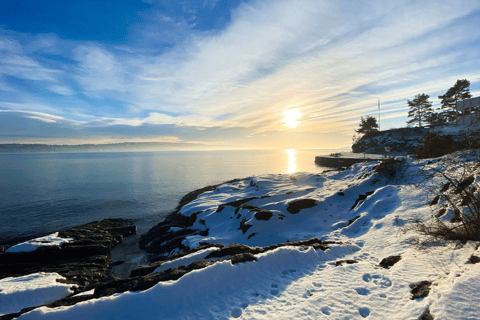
point(468, 112)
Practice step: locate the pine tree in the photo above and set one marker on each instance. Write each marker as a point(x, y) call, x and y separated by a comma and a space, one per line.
point(367, 125)
point(421, 109)
point(460, 91)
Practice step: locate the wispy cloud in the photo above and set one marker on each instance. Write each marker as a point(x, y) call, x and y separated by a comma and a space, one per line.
point(330, 60)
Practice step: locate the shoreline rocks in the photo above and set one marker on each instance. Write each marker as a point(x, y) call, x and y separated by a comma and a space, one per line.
point(85, 262)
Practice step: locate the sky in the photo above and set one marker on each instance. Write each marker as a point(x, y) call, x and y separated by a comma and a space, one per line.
point(216, 74)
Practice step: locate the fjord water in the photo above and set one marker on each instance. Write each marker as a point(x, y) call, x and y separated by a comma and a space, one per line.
point(45, 192)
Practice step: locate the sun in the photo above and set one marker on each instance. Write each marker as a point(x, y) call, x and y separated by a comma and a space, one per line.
point(291, 117)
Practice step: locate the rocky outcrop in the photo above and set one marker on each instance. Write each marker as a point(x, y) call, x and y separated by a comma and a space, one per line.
point(401, 141)
point(84, 262)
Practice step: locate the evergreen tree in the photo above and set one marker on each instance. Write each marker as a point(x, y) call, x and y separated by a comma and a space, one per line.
point(435, 120)
point(367, 125)
point(460, 91)
point(421, 109)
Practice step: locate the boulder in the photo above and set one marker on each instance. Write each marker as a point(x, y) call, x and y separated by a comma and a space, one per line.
point(297, 205)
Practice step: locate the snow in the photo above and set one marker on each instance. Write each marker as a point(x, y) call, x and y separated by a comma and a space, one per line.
point(32, 245)
point(296, 283)
point(30, 291)
point(185, 260)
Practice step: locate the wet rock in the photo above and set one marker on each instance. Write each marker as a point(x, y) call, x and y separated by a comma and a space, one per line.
point(420, 289)
point(389, 261)
point(294, 207)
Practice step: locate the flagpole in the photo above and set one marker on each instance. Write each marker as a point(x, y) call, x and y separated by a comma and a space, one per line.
point(379, 129)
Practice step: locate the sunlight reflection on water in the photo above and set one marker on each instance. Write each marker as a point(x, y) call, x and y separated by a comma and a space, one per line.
point(292, 166)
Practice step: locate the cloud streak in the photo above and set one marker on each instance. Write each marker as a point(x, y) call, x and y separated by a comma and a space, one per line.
point(331, 61)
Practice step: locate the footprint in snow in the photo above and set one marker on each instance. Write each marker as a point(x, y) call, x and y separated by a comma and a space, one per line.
point(380, 281)
point(325, 310)
point(364, 312)
point(363, 291)
point(289, 271)
point(317, 284)
point(309, 293)
point(236, 313)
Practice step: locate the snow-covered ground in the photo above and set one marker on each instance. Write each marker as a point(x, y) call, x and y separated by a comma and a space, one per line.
point(32, 245)
point(31, 291)
point(296, 283)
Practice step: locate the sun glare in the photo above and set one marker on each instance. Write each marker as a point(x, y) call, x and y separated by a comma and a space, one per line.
point(291, 117)
point(292, 166)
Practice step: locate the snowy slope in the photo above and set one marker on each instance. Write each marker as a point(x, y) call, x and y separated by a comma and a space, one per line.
point(363, 212)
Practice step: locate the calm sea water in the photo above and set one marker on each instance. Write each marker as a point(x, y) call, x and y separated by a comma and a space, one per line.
point(41, 193)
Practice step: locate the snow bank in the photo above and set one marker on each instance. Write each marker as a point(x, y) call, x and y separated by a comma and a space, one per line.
point(32, 245)
point(30, 291)
point(357, 207)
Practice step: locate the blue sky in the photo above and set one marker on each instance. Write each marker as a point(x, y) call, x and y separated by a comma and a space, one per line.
point(215, 74)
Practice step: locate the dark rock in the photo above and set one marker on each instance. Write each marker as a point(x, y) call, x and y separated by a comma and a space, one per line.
point(117, 263)
point(361, 198)
point(464, 183)
point(252, 235)
point(140, 283)
point(441, 212)
point(244, 226)
point(445, 187)
point(435, 200)
point(297, 205)
point(263, 215)
point(84, 261)
point(352, 221)
point(341, 194)
point(342, 262)
point(233, 249)
point(473, 259)
point(242, 257)
point(389, 261)
point(191, 196)
point(236, 203)
point(427, 316)
point(420, 289)
point(456, 217)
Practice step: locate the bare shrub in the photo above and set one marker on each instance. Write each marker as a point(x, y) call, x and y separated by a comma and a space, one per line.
point(391, 167)
point(435, 146)
point(452, 184)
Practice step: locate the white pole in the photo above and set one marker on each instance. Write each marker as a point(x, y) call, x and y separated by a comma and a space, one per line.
point(379, 129)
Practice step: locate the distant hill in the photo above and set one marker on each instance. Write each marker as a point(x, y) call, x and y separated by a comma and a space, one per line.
point(125, 146)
